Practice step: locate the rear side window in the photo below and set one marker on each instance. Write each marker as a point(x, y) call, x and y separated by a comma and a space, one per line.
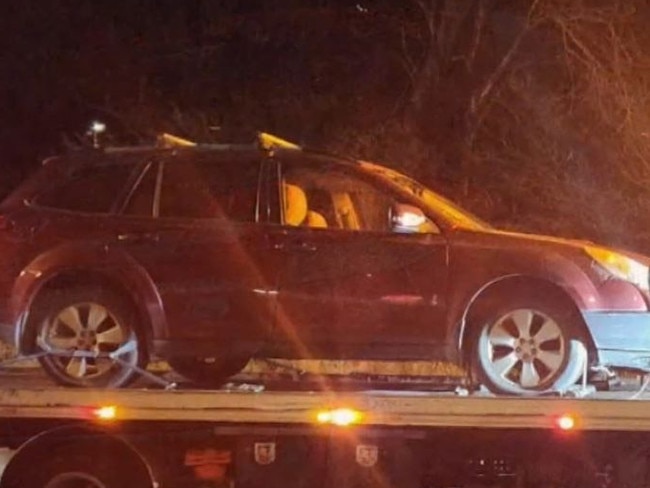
point(91, 189)
point(210, 189)
point(141, 201)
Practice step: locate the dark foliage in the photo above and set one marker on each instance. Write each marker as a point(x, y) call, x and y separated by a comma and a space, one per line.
point(531, 112)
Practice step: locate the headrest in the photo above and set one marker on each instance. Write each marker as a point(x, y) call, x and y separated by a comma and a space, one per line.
point(295, 204)
point(315, 219)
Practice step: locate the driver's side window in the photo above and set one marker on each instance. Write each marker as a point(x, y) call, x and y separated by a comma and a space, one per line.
point(334, 199)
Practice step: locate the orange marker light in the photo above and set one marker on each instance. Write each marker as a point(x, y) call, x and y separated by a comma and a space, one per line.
point(566, 422)
point(108, 412)
point(324, 417)
point(339, 416)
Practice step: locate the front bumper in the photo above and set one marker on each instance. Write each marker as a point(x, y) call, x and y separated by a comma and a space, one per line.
point(622, 339)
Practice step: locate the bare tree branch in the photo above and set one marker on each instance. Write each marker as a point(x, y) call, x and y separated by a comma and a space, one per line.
point(478, 102)
point(479, 25)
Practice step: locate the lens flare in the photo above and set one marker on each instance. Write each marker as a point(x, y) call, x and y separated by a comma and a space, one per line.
point(566, 422)
point(339, 416)
point(107, 412)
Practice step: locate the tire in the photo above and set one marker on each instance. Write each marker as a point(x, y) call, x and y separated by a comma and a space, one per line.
point(527, 346)
point(93, 321)
point(82, 465)
point(211, 372)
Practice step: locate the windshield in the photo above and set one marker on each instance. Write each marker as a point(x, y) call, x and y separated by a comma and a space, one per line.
point(438, 204)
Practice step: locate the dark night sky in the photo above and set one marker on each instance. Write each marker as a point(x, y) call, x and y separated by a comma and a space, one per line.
point(62, 62)
point(68, 62)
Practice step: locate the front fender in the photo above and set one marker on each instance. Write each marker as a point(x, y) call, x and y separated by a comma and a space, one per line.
point(551, 270)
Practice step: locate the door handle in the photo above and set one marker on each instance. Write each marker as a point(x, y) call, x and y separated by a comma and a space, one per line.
point(305, 246)
point(146, 237)
point(294, 246)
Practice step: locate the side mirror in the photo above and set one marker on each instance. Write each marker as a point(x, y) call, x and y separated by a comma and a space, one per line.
point(406, 218)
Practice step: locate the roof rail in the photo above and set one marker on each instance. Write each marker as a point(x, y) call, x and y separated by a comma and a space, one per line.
point(265, 141)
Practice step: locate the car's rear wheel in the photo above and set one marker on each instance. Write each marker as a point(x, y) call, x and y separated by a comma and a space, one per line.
point(91, 337)
point(208, 371)
point(527, 347)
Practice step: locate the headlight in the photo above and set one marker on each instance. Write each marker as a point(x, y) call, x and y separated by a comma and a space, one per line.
point(620, 266)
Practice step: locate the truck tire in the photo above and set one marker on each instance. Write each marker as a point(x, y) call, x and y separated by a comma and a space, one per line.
point(209, 372)
point(98, 464)
point(90, 320)
point(527, 346)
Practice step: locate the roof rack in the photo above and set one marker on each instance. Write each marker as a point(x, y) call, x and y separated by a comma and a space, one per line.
point(265, 141)
point(269, 142)
point(168, 140)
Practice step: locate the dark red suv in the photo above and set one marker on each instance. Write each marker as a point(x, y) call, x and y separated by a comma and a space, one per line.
point(209, 255)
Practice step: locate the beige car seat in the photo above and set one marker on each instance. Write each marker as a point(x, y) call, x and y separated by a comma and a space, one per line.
point(316, 220)
point(346, 215)
point(295, 204)
point(296, 211)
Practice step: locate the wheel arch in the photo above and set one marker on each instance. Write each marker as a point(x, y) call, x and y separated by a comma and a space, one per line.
point(115, 271)
point(486, 297)
point(45, 443)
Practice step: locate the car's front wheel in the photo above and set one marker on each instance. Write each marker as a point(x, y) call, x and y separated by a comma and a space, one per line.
point(527, 347)
point(90, 337)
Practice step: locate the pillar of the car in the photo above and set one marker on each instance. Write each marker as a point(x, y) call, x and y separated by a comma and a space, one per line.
point(268, 190)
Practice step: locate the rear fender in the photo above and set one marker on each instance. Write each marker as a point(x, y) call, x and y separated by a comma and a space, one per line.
point(97, 263)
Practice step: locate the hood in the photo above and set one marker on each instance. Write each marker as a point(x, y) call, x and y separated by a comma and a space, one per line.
point(494, 237)
point(541, 238)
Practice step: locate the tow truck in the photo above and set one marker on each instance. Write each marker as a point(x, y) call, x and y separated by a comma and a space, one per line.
point(159, 434)
point(328, 429)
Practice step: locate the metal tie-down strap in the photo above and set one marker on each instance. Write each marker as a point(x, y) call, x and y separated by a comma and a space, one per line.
point(46, 350)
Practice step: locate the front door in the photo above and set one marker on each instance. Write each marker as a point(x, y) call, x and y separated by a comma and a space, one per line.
point(349, 285)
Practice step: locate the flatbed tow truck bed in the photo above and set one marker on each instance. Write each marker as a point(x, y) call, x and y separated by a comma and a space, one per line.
point(327, 436)
point(375, 408)
point(28, 393)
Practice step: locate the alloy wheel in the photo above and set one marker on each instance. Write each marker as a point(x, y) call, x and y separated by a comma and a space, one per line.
point(524, 349)
point(81, 337)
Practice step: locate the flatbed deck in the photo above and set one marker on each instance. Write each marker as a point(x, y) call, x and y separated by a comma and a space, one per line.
point(29, 394)
point(461, 439)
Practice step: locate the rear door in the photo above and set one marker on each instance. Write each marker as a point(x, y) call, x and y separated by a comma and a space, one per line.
point(193, 222)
